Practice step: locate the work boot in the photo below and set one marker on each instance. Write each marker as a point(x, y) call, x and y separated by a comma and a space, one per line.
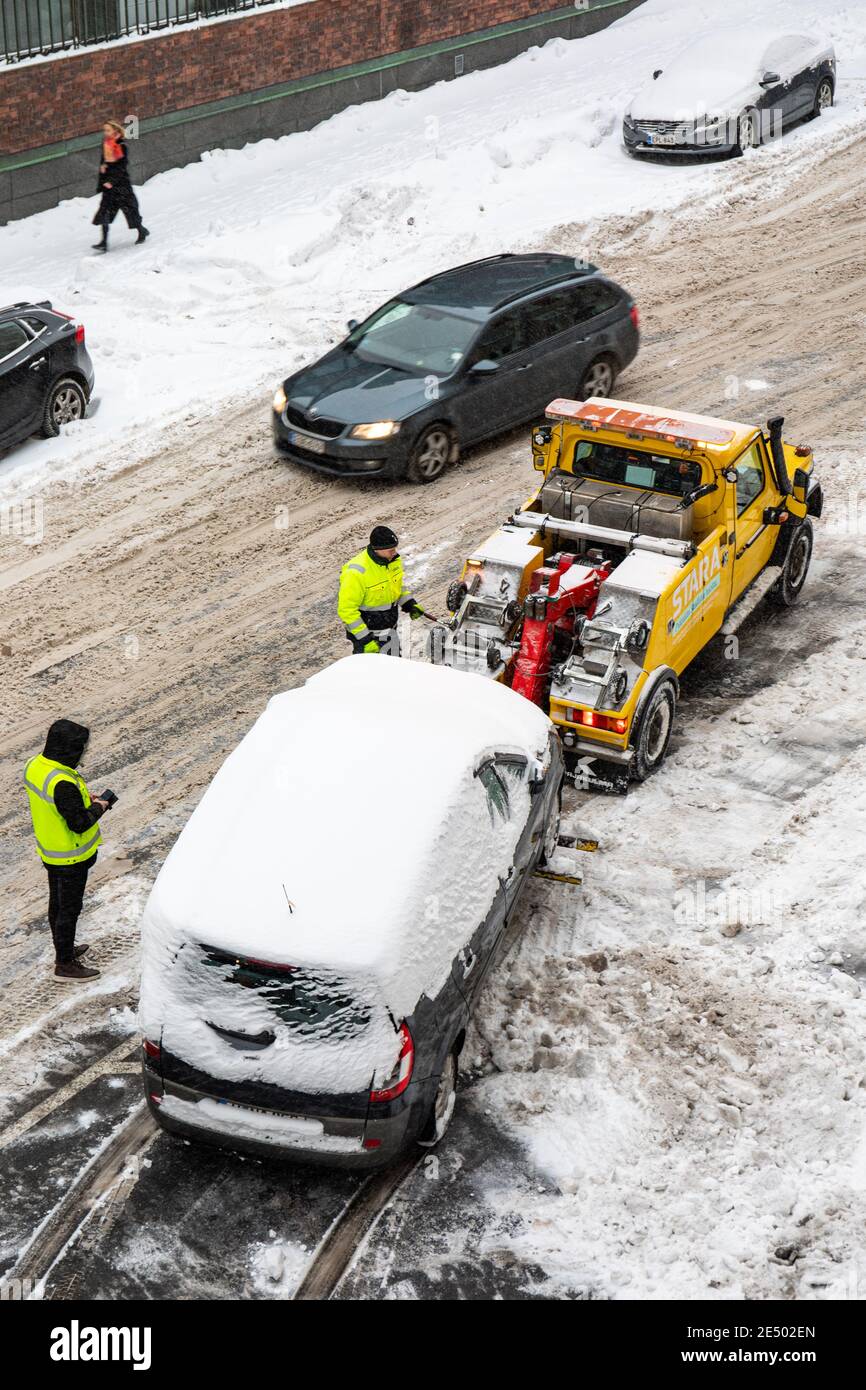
point(72, 970)
point(81, 950)
point(103, 244)
point(143, 234)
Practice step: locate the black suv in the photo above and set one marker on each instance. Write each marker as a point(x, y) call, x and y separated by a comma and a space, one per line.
point(461, 356)
point(46, 375)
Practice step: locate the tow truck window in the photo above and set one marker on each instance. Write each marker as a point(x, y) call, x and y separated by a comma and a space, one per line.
point(610, 463)
point(750, 478)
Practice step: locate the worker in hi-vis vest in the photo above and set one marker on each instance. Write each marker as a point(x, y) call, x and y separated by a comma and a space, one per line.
point(372, 590)
point(65, 818)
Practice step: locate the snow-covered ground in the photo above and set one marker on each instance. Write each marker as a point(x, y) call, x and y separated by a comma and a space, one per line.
point(697, 1105)
point(259, 256)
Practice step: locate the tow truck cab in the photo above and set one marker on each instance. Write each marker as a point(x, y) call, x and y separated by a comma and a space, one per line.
point(647, 531)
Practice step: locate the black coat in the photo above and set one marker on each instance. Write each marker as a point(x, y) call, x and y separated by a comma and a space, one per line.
point(120, 196)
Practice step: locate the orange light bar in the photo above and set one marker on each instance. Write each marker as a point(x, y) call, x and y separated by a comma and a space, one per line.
point(612, 417)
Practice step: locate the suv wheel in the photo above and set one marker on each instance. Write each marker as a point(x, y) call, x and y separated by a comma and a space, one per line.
point(443, 1104)
point(795, 567)
point(598, 379)
point(431, 454)
point(64, 403)
point(655, 732)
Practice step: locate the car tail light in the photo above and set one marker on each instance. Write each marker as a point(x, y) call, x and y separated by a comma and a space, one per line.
point(79, 333)
point(634, 315)
point(590, 720)
point(151, 1049)
point(371, 1144)
point(402, 1075)
point(157, 1100)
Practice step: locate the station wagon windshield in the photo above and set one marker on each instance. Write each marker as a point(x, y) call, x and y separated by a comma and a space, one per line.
point(415, 337)
point(610, 463)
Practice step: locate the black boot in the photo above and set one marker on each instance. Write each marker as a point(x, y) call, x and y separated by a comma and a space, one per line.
point(143, 234)
point(103, 244)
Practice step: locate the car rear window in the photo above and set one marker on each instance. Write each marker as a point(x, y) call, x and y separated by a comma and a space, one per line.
point(308, 1002)
point(610, 463)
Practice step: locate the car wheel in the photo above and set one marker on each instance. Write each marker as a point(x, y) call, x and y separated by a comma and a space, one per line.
point(747, 133)
point(598, 379)
point(795, 567)
point(823, 96)
point(655, 731)
point(443, 1103)
point(431, 454)
point(551, 837)
point(64, 403)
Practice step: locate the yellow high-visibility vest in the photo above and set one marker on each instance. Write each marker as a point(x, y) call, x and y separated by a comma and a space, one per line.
point(368, 587)
point(56, 843)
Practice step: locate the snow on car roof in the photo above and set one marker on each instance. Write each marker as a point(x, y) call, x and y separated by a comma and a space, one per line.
point(342, 814)
point(716, 67)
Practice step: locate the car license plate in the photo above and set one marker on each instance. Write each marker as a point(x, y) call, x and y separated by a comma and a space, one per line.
point(662, 139)
point(308, 442)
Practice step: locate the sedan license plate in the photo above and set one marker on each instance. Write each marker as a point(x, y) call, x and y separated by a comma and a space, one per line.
point(662, 139)
point(308, 442)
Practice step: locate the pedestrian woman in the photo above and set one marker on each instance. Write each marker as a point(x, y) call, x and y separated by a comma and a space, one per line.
point(115, 187)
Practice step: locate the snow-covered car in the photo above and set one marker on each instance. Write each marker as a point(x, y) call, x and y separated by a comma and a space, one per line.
point(314, 942)
point(731, 89)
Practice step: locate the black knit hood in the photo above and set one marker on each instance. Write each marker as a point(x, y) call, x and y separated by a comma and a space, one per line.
point(66, 742)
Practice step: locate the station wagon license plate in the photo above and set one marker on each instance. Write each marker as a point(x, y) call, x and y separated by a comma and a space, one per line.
point(661, 139)
point(308, 442)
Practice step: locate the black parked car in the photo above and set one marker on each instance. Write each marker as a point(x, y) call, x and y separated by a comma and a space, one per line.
point(730, 90)
point(461, 356)
point(320, 1015)
point(46, 375)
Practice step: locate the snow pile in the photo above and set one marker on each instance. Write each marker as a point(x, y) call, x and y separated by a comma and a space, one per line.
point(346, 833)
point(259, 256)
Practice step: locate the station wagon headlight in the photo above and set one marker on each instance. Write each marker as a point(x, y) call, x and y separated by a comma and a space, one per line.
point(279, 400)
point(378, 429)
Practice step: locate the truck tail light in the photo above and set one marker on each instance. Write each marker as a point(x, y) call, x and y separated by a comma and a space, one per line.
point(634, 315)
point(402, 1074)
point(590, 720)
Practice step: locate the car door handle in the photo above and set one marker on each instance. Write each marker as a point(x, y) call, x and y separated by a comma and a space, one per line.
point(40, 362)
point(525, 367)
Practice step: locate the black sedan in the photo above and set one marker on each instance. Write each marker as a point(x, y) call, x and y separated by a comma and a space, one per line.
point(458, 358)
point(730, 90)
point(46, 375)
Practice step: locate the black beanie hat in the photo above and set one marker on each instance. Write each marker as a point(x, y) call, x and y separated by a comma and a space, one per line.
point(382, 538)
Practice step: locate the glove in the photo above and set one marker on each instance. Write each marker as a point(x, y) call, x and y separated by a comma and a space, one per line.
point(372, 646)
point(414, 610)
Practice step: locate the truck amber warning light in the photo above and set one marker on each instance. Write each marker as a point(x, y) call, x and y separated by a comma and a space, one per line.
point(614, 417)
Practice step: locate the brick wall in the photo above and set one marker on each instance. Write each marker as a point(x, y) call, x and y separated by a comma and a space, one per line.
point(45, 103)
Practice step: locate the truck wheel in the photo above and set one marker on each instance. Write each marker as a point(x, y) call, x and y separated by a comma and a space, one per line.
point(655, 732)
point(64, 403)
point(443, 1103)
point(431, 454)
point(795, 567)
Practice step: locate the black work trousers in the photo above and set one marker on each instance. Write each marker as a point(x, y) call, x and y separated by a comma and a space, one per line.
point(66, 884)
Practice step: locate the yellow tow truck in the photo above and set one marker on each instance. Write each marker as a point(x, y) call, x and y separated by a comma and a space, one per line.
point(652, 531)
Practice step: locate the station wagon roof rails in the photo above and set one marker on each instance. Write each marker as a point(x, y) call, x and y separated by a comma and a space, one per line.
point(26, 304)
point(544, 286)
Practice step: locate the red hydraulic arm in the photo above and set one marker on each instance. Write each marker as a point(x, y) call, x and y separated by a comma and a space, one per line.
point(557, 596)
